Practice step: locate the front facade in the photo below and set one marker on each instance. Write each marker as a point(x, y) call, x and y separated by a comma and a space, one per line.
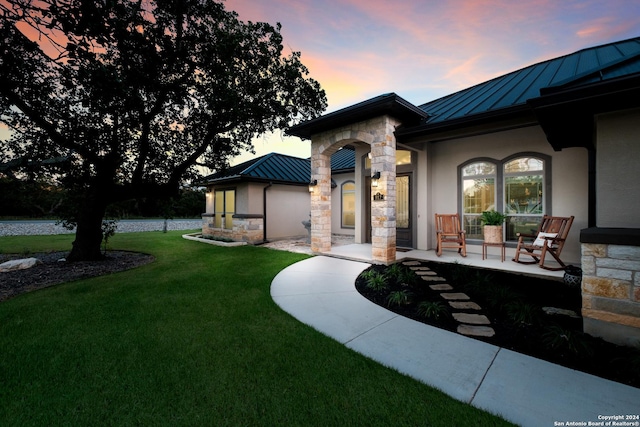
point(557, 138)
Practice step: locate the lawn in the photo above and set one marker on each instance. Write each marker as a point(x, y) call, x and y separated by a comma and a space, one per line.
point(191, 339)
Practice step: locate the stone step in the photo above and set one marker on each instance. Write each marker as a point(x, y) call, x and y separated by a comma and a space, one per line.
point(474, 319)
point(455, 296)
point(432, 278)
point(410, 263)
point(426, 273)
point(476, 331)
point(464, 305)
point(442, 287)
point(420, 269)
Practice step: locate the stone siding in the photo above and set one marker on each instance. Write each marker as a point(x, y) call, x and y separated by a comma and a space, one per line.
point(379, 133)
point(611, 292)
point(245, 228)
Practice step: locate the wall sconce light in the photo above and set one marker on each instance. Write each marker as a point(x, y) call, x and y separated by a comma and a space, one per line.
point(374, 179)
point(312, 184)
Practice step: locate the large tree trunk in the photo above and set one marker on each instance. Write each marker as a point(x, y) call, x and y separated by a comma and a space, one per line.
point(86, 247)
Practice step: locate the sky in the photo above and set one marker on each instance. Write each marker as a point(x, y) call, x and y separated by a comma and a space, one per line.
point(425, 49)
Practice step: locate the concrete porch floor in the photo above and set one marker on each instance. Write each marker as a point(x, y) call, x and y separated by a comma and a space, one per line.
point(362, 253)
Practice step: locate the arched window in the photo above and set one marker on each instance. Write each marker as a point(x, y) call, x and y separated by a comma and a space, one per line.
point(478, 195)
point(348, 190)
point(517, 186)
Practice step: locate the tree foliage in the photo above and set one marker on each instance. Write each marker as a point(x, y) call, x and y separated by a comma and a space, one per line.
point(135, 95)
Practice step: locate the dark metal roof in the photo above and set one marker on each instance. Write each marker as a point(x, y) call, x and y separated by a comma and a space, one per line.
point(280, 168)
point(343, 160)
point(513, 90)
point(389, 103)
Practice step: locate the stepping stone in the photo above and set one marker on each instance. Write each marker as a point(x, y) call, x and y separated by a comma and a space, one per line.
point(474, 319)
point(454, 296)
point(420, 268)
point(432, 278)
point(476, 331)
point(464, 305)
point(426, 273)
point(560, 312)
point(443, 287)
point(411, 263)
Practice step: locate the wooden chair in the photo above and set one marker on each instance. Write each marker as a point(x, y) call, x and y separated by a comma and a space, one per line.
point(550, 238)
point(449, 234)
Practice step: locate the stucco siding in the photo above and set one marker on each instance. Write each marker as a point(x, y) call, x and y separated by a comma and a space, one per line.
point(287, 207)
point(568, 175)
point(617, 171)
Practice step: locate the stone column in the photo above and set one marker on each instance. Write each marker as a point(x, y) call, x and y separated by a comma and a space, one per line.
point(383, 205)
point(320, 199)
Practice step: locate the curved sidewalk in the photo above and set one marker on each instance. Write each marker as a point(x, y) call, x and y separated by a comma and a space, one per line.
point(320, 292)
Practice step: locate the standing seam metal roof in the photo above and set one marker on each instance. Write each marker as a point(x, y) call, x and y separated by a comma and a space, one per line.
point(280, 168)
point(589, 65)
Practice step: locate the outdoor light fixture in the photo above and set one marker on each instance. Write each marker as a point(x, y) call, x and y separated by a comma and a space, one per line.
point(312, 185)
point(374, 179)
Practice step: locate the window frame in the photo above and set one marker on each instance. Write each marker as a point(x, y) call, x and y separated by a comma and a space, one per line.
point(225, 211)
point(500, 183)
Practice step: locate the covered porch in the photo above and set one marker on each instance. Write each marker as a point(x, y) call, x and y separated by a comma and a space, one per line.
point(363, 253)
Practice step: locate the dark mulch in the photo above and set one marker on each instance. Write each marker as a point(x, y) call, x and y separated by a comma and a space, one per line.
point(513, 303)
point(52, 271)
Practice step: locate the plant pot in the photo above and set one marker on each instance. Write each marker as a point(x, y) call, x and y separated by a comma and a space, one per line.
point(492, 233)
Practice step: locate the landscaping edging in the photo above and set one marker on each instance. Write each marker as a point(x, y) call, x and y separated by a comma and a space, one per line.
point(194, 237)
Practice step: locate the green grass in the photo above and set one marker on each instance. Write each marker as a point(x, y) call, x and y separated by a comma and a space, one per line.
point(191, 339)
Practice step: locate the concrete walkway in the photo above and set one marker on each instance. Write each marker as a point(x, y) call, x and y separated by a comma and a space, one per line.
point(320, 292)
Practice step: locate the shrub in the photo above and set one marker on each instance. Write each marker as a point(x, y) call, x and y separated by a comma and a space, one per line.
point(560, 339)
point(433, 309)
point(398, 298)
point(522, 313)
point(376, 281)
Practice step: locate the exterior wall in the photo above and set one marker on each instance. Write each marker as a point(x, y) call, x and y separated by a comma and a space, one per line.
point(611, 292)
point(336, 204)
point(379, 133)
point(569, 177)
point(617, 172)
point(611, 251)
point(287, 207)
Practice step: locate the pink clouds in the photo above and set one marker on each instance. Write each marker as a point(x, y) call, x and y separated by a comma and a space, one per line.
point(360, 47)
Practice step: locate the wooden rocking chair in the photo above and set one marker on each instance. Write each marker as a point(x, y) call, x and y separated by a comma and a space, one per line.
point(549, 239)
point(449, 234)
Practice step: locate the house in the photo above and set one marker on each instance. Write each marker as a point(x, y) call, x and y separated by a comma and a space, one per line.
point(267, 198)
point(559, 137)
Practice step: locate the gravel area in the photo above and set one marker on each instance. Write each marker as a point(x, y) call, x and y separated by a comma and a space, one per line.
point(41, 228)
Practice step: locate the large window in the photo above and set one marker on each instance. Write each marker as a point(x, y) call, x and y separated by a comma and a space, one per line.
point(349, 204)
point(225, 206)
point(523, 195)
point(516, 186)
point(478, 195)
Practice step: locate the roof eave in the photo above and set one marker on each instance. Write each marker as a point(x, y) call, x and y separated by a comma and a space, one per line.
point(389, 104)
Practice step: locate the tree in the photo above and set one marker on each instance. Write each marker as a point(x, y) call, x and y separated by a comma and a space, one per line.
point(135, 95)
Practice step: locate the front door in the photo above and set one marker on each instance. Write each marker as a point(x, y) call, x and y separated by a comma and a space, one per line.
point(404, 230)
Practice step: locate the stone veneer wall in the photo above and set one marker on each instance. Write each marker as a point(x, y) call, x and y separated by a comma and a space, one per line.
point(379, 134)
point(611, 285)
point(246, 228)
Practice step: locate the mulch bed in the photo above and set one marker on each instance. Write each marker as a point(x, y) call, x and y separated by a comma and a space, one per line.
point(52, 271)
point(555, 338)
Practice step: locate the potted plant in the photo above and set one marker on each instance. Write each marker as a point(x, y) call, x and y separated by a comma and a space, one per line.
point(492, 222)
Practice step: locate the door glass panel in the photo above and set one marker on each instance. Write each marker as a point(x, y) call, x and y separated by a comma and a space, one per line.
point(349, 204)
point(229, 208)
point(402, 202)
point(219, 208)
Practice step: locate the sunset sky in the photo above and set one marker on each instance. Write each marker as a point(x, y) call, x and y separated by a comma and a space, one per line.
point(425, 49)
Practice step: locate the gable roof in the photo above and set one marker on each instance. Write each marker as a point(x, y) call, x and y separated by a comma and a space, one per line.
point(280, 168)
point(515, 89)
